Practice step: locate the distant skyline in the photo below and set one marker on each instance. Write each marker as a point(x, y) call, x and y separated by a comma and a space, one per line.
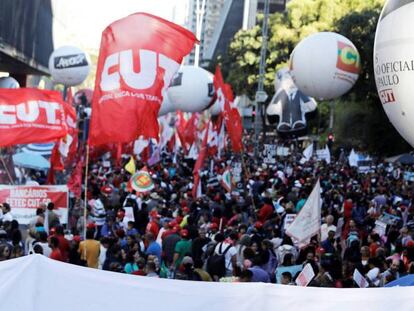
point(81, 22)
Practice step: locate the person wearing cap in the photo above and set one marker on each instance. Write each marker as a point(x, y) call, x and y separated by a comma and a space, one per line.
point(213, 231)
point(154, 225)
point(169, 241)
point(182, 248)
point(186, 214)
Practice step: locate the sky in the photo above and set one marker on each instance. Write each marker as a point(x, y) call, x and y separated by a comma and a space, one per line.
point(81, 22)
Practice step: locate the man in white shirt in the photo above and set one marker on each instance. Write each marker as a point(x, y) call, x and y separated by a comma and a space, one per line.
point(7, 215)
point(326, 227)
point(230, 256)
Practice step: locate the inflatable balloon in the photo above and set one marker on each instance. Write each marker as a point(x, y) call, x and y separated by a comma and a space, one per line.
point(69, 65)
point(166, 106)
point(191, 89)
point(289, 106)
point(325, 65)
point(9, 83)
point(394, 64)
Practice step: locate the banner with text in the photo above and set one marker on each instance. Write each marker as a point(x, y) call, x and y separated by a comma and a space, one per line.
point(24, 200)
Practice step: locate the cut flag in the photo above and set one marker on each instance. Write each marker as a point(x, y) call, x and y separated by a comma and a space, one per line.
point(138, 57)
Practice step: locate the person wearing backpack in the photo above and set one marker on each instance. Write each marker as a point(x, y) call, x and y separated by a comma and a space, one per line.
point(223, 261)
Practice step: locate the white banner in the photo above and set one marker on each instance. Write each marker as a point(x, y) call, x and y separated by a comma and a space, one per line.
point(30, 273)
point(24, 200)
point(269, 154)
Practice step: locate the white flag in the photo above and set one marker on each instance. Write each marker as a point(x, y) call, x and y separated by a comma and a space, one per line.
point(307, 154)
point(140, 144)
point(353, 158)
point(308, 222)
point(167, 132)
point(328, 155)
point(193, 152)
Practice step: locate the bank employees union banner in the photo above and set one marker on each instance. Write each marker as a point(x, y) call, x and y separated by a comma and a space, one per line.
point(24, 200)
point(31, 116)
point(138, 57)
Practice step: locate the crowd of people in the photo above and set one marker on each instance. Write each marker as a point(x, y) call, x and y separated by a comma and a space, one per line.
point(367, 223)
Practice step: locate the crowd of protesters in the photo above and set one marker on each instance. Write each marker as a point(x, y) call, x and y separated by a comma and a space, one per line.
point(367, 223)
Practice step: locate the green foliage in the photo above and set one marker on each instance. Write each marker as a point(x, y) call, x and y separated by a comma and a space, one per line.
point(359, 119)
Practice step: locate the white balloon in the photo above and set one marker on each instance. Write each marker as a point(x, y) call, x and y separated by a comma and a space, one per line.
point(325, 65)
point(191, 89)
point(166, 107)
point(69, 65)
point(394, 64)
point(9, 83)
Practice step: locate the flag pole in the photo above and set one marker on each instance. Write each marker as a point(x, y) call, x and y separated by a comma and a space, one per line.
point(5, 167)
point(86, 190)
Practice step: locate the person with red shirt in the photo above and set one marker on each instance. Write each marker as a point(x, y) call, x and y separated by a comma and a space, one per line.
point(54, 245)
point(154, 225)
point(63, 243)
point(265, 212)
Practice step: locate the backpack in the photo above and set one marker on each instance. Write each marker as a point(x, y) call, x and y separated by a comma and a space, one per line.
point(216, 263)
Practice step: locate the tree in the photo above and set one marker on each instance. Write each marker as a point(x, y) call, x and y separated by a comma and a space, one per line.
point(359, 120)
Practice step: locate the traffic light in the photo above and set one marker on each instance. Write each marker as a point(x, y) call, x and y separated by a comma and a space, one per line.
point(331, 140)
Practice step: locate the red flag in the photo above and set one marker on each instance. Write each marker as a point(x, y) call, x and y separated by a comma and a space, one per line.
point(69, 145)
point(31, 116)
point(231, 114)
point(190, 131)
point(138, 57)
point(180, 126)
point(200, 162)
point(75, 180)
point(69, 96)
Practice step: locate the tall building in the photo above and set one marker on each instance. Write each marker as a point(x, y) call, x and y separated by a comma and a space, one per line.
point(237, 15)
point(221, 20)
point(25, 37)
point(211, 16)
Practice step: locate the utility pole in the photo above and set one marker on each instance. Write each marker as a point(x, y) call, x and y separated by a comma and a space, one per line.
point(261, 95)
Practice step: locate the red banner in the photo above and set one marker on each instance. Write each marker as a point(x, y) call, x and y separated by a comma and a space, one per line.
point(31, 116)
point(138, 57)
point(24, 200)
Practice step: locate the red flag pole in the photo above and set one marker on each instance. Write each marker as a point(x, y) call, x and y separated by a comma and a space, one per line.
point(86, 191)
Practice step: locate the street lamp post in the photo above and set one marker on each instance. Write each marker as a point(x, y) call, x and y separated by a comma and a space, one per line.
point(261, 95)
